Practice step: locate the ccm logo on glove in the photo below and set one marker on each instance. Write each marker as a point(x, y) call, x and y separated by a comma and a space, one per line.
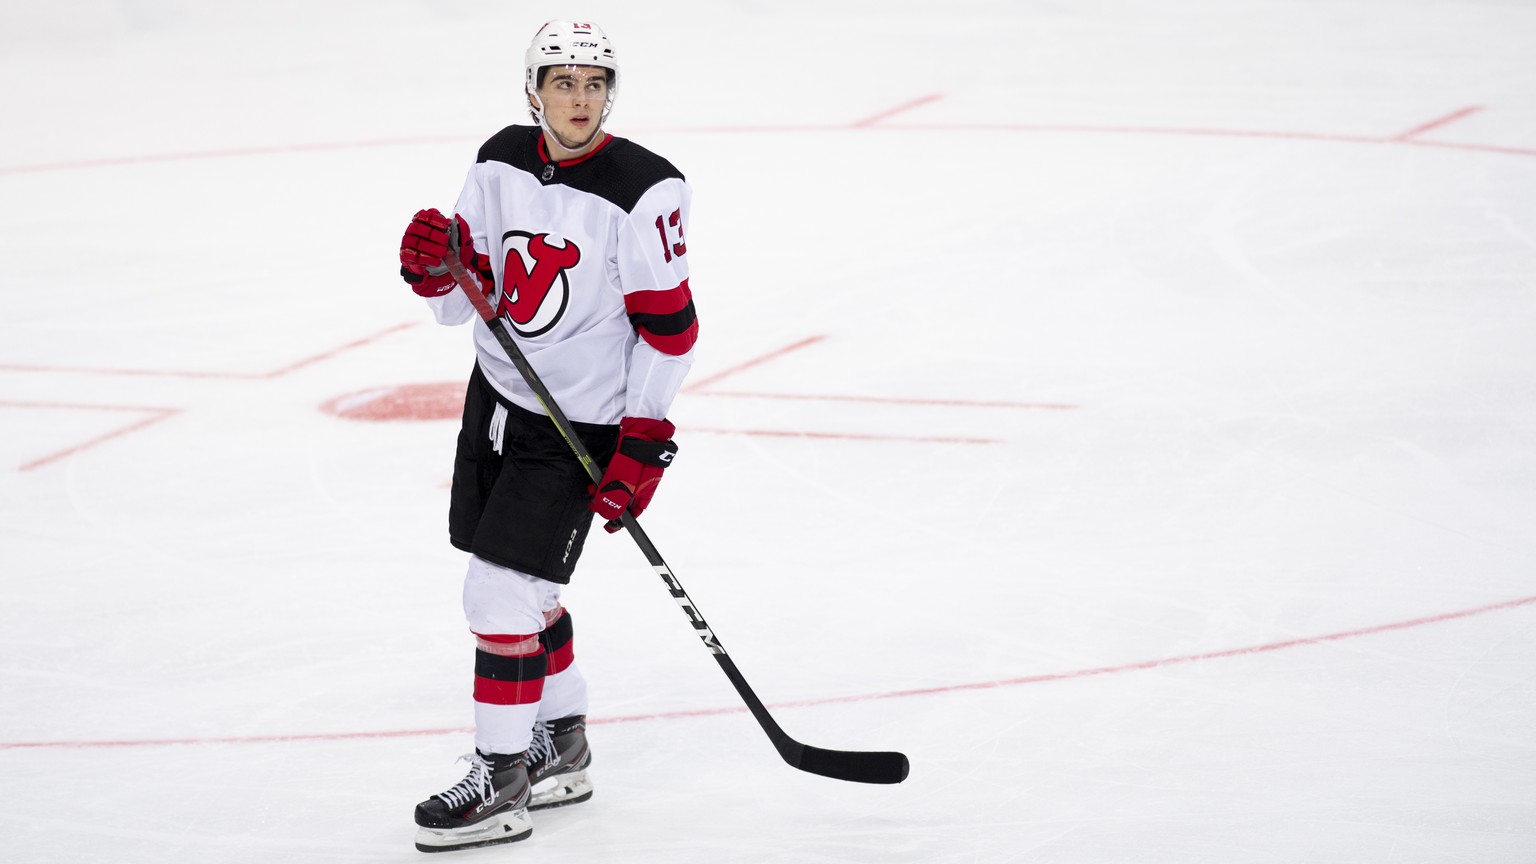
point(644, 450)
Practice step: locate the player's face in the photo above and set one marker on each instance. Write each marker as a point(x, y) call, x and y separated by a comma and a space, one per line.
point(574, 98)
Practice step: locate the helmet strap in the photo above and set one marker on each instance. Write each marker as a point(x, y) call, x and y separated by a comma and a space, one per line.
point(537, 106)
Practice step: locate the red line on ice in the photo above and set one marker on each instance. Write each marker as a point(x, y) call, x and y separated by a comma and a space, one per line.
point(1184, 132)
point(893, 400)
point(161, 413)
point(741, 367)
point(340, 349)
point(845, 436)
point(808, 703)
point(899, 109)
point(1188, 658)
point(222, 376)
point(152, 158)
point(1437, 123)
point(867, 123)
point(157, 414)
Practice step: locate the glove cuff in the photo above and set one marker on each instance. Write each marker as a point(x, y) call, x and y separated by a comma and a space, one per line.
point(647, 441)
point(646, 428)
point(427, 284)
point(655, 453)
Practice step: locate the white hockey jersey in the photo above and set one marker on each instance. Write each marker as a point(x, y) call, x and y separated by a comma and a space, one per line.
point(591, 269)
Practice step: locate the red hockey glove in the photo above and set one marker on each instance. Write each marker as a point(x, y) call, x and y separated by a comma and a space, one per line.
point(426, 243)
point(645, 448)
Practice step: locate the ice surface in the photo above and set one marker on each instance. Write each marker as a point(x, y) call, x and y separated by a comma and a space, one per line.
point(1126, 410)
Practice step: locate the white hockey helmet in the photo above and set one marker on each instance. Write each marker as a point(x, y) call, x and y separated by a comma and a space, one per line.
point(569, 43)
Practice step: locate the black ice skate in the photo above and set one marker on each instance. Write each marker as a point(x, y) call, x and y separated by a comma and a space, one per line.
point(557, 763)
point(487, 807)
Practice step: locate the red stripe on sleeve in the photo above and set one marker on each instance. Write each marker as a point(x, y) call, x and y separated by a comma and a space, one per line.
point(667, 302)
point(665, 319)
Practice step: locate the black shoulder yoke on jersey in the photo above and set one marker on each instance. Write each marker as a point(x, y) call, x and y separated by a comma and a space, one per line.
point(621, 171)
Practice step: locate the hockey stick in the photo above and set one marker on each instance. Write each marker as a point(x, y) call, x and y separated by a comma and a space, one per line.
point(859, 766)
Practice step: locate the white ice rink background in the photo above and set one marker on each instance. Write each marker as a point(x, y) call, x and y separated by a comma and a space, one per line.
point(1128, 410)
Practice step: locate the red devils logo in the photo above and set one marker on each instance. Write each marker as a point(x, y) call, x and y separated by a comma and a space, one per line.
point(535, 288)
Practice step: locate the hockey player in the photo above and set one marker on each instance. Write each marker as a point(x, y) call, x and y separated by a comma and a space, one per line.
point(578, 239)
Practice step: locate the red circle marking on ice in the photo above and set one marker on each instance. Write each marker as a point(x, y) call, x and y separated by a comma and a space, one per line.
point(441, 401)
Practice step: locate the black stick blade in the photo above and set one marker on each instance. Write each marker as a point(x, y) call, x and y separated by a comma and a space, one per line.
point(856, 766)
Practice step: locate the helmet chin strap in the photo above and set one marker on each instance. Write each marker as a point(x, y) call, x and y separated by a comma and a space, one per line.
point(538, 113)
point(596, 131)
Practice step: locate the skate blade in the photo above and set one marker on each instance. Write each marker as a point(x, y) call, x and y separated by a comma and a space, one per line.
point(561, 790)
point(501, 828)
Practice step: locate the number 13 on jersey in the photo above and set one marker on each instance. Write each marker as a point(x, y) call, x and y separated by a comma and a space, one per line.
point(675, 222)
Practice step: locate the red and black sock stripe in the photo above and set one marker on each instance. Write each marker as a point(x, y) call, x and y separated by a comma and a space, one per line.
point(556, 640)
point(501, 680)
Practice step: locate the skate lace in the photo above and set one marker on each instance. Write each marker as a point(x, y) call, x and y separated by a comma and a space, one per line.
point(542, 751)
point(478, 783)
